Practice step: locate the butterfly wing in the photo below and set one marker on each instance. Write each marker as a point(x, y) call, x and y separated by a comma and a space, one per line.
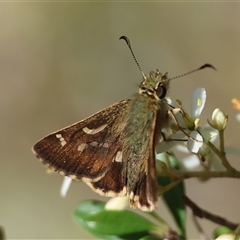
point(144, 194)
point(147, 190)
point(88, 150)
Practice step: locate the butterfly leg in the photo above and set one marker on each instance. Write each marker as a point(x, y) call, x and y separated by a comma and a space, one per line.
point(171, 139)
point(172, 114)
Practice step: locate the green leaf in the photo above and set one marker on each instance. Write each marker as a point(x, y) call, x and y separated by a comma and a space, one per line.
point(174, 197)
point(152, 237)
point(2, 234)
point(109, 224)
point(220, 231)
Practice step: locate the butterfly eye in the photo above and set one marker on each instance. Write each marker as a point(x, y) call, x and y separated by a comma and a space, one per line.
point(161, 91)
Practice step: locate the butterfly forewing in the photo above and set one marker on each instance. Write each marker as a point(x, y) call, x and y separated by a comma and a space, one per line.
point(87, 149)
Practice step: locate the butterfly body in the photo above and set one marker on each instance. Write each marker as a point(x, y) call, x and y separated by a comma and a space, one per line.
point(144, 116)
point(113, 151)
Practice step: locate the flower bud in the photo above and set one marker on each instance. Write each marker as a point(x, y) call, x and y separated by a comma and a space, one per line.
point(219, 119)
point(117, 203)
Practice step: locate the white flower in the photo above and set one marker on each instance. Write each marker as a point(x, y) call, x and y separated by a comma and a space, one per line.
point(65, 186)
point(198, 101)
point(117, 203)
point(193, 162)
point(227, 236)
point(195, 142)
point(190, 122)
point(198, 137)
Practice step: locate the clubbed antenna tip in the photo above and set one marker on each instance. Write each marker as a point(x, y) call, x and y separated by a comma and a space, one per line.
point(130, 47)
point(207, 65)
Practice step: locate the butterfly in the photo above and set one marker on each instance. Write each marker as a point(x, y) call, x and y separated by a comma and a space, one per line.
point(113, 151)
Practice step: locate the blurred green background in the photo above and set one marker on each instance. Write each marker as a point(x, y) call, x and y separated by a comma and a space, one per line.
point(61, 62)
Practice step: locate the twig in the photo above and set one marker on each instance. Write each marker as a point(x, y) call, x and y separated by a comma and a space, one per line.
point(199, 228)
point(199, 174)
point(201, 213)
point(223, 158)
point(163, 189)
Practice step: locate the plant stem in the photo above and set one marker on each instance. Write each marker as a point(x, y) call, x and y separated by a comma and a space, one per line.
point(221, 137)
point(223, 158)
point(201, 213)
point(202, 174)
point(163, 189)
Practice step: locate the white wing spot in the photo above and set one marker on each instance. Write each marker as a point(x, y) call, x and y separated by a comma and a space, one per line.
point(93, 144)
point(118, 157)
point(62, 140)
point(105, 145)
point(94, 131)
point(82, 146)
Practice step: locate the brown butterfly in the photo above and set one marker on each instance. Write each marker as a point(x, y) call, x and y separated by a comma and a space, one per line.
point(113, 151)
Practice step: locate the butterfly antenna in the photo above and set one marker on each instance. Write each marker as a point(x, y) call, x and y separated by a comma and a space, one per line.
point(130, 47)
point(207, 65)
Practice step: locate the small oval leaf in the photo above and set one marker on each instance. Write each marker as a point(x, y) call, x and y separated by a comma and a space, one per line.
point(109, 224)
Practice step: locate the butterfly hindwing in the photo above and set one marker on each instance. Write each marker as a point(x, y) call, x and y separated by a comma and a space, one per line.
point(113, 183)
point(144, 194)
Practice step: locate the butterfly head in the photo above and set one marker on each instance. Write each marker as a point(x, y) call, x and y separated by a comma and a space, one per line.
point(155, 85)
